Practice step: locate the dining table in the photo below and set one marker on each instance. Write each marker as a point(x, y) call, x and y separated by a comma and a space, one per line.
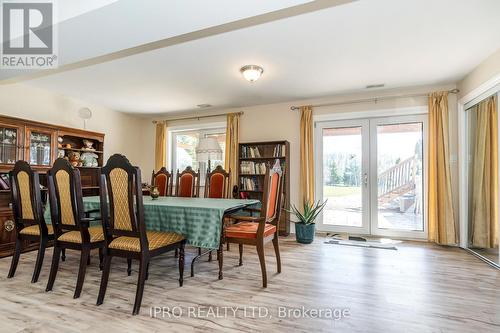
point(199, 220)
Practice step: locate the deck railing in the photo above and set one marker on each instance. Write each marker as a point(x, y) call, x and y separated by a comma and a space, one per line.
point(398, 179)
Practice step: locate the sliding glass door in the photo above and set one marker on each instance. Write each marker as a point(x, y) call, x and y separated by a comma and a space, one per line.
point(372, 174)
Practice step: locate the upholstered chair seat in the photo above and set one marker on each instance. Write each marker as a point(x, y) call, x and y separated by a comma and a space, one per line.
point(96, 235)
point(34, 230)
point(248, 230)
point(156, 239)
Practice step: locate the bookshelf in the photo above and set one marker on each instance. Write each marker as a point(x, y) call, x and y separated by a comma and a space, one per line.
point(253, 158)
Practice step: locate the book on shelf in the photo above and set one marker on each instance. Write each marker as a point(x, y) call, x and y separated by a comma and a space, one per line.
point(249, 184)
point(279, 151)
point(250, 152)
point(249, 167)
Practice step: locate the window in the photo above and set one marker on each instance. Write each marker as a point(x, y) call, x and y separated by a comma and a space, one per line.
point(183, 152)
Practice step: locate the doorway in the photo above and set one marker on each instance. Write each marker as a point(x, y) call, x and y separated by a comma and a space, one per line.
point(372, 172)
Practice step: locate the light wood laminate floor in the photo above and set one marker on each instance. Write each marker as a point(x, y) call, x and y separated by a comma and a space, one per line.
point(419, 288)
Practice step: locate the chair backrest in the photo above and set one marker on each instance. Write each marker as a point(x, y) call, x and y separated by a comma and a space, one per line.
point(188, 183)
point(217, 184)
point(273, 192)
point(122, 208)
point(164, 181)
point(26, 197)
point(65, 197)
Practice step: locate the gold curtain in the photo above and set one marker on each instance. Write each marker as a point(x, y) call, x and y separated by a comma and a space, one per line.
point(485, 175)
point(306, 155)
point(232, 147)
point(442, 227)
point(161, 145)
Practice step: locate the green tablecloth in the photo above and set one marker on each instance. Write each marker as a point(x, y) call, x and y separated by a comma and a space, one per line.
point(198, 219)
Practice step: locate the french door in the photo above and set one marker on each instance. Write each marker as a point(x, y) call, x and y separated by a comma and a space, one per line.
point(372, 173)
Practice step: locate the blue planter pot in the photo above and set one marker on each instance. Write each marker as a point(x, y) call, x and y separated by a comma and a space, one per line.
point(304, 233)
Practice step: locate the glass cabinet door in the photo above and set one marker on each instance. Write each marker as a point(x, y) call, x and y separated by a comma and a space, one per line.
point(40, 148)
point(9, 145)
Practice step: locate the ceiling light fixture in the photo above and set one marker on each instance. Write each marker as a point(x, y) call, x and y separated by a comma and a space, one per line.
point(251, 72)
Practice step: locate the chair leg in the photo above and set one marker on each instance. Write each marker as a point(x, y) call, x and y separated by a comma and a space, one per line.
point(147, 272)
point(199, 251)
point(262, 260)
point(15, 258)
point(277, 252)
point(88, 260)
point(85, 255)
point(53, 268)
point(181, 265)
point(39, 260)
point(101, 256)
point(220, 258)
point(63, 254)
point(104, 279)
point(227, 247)
point(241, 254)
point(210, 256)
point(129, 267)
point(143, 264)
point(177, 253)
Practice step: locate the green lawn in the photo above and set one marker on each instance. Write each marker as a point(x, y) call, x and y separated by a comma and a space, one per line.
point(340, 191)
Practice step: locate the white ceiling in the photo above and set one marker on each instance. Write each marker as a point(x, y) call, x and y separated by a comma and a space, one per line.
point(396, 42)
point(91, 28)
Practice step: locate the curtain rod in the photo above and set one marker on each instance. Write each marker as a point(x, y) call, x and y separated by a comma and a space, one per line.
point(375, 99)
point(199, 117)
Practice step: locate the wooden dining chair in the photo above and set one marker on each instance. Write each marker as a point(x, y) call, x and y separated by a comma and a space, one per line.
point(71, 225)
point(122, 212)
point(187, 183)
point(216, 187)
point(217, 184)
point(164, 181)
point(28, 215)
point(257, 231)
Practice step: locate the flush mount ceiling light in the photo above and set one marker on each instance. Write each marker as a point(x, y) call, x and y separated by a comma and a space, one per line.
point(251, 72)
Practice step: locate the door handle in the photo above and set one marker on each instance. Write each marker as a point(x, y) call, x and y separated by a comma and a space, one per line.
point(365, 179)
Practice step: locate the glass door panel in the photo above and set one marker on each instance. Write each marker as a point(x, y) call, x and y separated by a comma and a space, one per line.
point(40, 148)
point(9, 145)
point(344, 176)
point(400, 176)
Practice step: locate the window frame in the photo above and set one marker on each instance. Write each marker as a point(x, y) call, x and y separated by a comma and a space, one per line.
point(202, 129)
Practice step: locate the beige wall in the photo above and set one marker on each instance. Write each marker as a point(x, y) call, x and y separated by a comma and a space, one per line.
point(485, 71)
point(278, 122)
point(123, 133)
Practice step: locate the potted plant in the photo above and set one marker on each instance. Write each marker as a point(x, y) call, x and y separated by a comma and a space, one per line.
point(305, 226)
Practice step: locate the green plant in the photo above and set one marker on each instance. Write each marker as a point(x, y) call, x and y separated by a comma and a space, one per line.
point(311, 211)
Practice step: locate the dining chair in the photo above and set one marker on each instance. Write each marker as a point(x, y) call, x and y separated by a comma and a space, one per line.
point(257, 231)
point(70, 222)
point(163, 180)
point(217, 183)
point(28, 215)
point(125, 234)
point(217, 187)
point(187, 183)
